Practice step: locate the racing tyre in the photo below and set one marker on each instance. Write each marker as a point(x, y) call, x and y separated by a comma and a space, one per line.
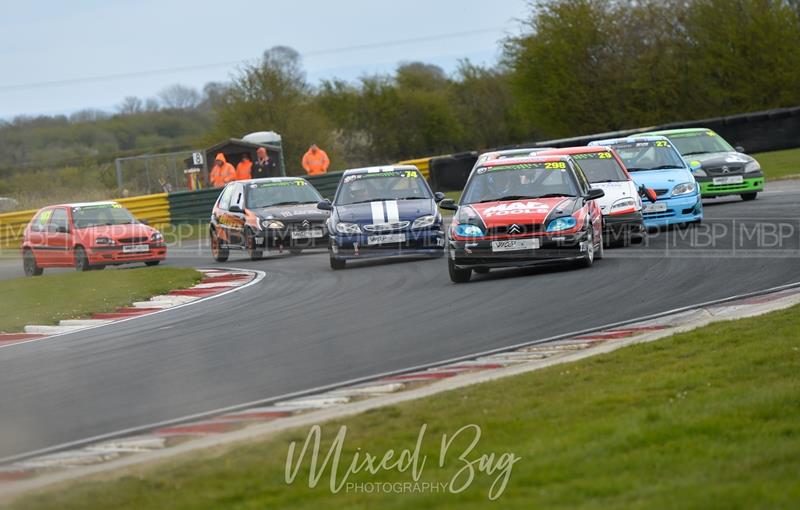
point(29, 264)
point(337, 264)
point(749, 196)
point(600, 252)
point(458, 275)
point(81, 261)
point(588, 260)
point(152, 262)
point(255, 253)
point(218, 253)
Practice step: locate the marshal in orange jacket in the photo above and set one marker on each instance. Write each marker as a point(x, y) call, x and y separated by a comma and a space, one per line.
point(222, 173)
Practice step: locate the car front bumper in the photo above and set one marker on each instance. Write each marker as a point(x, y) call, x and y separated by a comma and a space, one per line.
point(552, 249)
point(284, 239)
point(112, 255)
point(619, 226)
point(417, 242)
point(752, 182)
point(683, 209)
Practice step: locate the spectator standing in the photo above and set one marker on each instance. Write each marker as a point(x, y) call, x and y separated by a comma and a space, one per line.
point(222, 173)
point(315, 161)
point(263, 166)
point(243, 168)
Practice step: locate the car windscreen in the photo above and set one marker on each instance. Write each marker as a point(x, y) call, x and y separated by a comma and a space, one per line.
point(643, 155)
point(272, 193)
point(382, 185)
point(96, 215)
point(703, 142)
point(600, 167)
point(520, 180)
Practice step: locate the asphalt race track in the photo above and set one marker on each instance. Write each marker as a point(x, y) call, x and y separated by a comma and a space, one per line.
point(305, 326)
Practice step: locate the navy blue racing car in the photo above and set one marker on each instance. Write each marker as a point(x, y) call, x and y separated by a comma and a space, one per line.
point(383, 212)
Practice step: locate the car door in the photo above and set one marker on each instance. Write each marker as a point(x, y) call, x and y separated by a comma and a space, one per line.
point(37, 236)
point(220, 218)
point(236, 216)
point(58, 237)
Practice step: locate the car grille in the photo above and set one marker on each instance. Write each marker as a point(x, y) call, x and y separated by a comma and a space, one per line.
point(721, 170)
point(661, 192)
point(523, 229)
point(128, 240)
point(387, 227)
point(306, 225)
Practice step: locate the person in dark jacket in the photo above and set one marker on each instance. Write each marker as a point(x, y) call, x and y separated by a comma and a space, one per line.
point(263, 166)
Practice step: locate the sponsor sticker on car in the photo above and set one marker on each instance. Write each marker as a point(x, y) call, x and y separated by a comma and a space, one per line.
point(516, 244)
point(307, 234)
point(733, 179)
point(386, 238)
point(655, 208)
point(135, 248)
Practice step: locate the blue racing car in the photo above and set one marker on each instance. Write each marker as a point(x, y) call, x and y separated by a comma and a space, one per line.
point(383, 212)
point(655, 164)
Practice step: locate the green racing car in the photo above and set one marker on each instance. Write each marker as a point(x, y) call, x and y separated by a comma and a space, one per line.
point(720, 169)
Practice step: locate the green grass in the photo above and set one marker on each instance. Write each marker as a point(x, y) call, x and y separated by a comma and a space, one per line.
point(780, 164)
point(47, 299)
point(705, 419)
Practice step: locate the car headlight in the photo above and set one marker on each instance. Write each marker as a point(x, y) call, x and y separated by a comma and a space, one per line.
point(752, 166)
point(104, 241)
point(348, 228)
point(272, 224)
point(157, 237)
point(424, 221)
point(563, 223)
point(623, 203)
point(468, 230)
point(684, 188)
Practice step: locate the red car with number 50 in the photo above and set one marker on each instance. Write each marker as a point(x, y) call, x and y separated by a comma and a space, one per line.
point(88, 236)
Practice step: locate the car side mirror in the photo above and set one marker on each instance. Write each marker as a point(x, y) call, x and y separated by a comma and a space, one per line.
point(325, 205)
point(648, 193)
point(595, 193)
point(235, 209)
point(739, 148)
point(448, 204)
point(438, 196)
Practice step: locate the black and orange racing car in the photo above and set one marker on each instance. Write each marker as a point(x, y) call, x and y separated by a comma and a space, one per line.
point(267, 214)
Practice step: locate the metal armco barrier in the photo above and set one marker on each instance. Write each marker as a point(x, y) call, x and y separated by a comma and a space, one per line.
point(424, 165)
point(191, 206)
point(326, 184)
point(450, 173)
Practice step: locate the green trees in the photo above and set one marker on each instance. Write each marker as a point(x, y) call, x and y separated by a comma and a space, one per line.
point(589, 66)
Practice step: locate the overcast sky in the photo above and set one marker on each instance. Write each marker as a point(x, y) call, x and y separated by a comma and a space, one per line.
point(61, 56)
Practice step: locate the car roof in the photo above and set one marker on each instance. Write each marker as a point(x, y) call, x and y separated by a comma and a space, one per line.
point(667, 132)
point(83, 204)
point(376, 169)
point(527, 159)
point(628, 139)
point(269, 179)
point(583, 149)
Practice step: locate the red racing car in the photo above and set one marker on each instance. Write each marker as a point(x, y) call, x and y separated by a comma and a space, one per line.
point(521, 212)
point(88, 236)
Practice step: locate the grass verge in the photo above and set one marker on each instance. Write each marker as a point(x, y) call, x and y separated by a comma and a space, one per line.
point(47, 299)
point(705, 419)
point(780, 164)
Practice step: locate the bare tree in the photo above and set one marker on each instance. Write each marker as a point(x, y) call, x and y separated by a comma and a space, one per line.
point(179, 97)
point(130, 105)
point(152, 104)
